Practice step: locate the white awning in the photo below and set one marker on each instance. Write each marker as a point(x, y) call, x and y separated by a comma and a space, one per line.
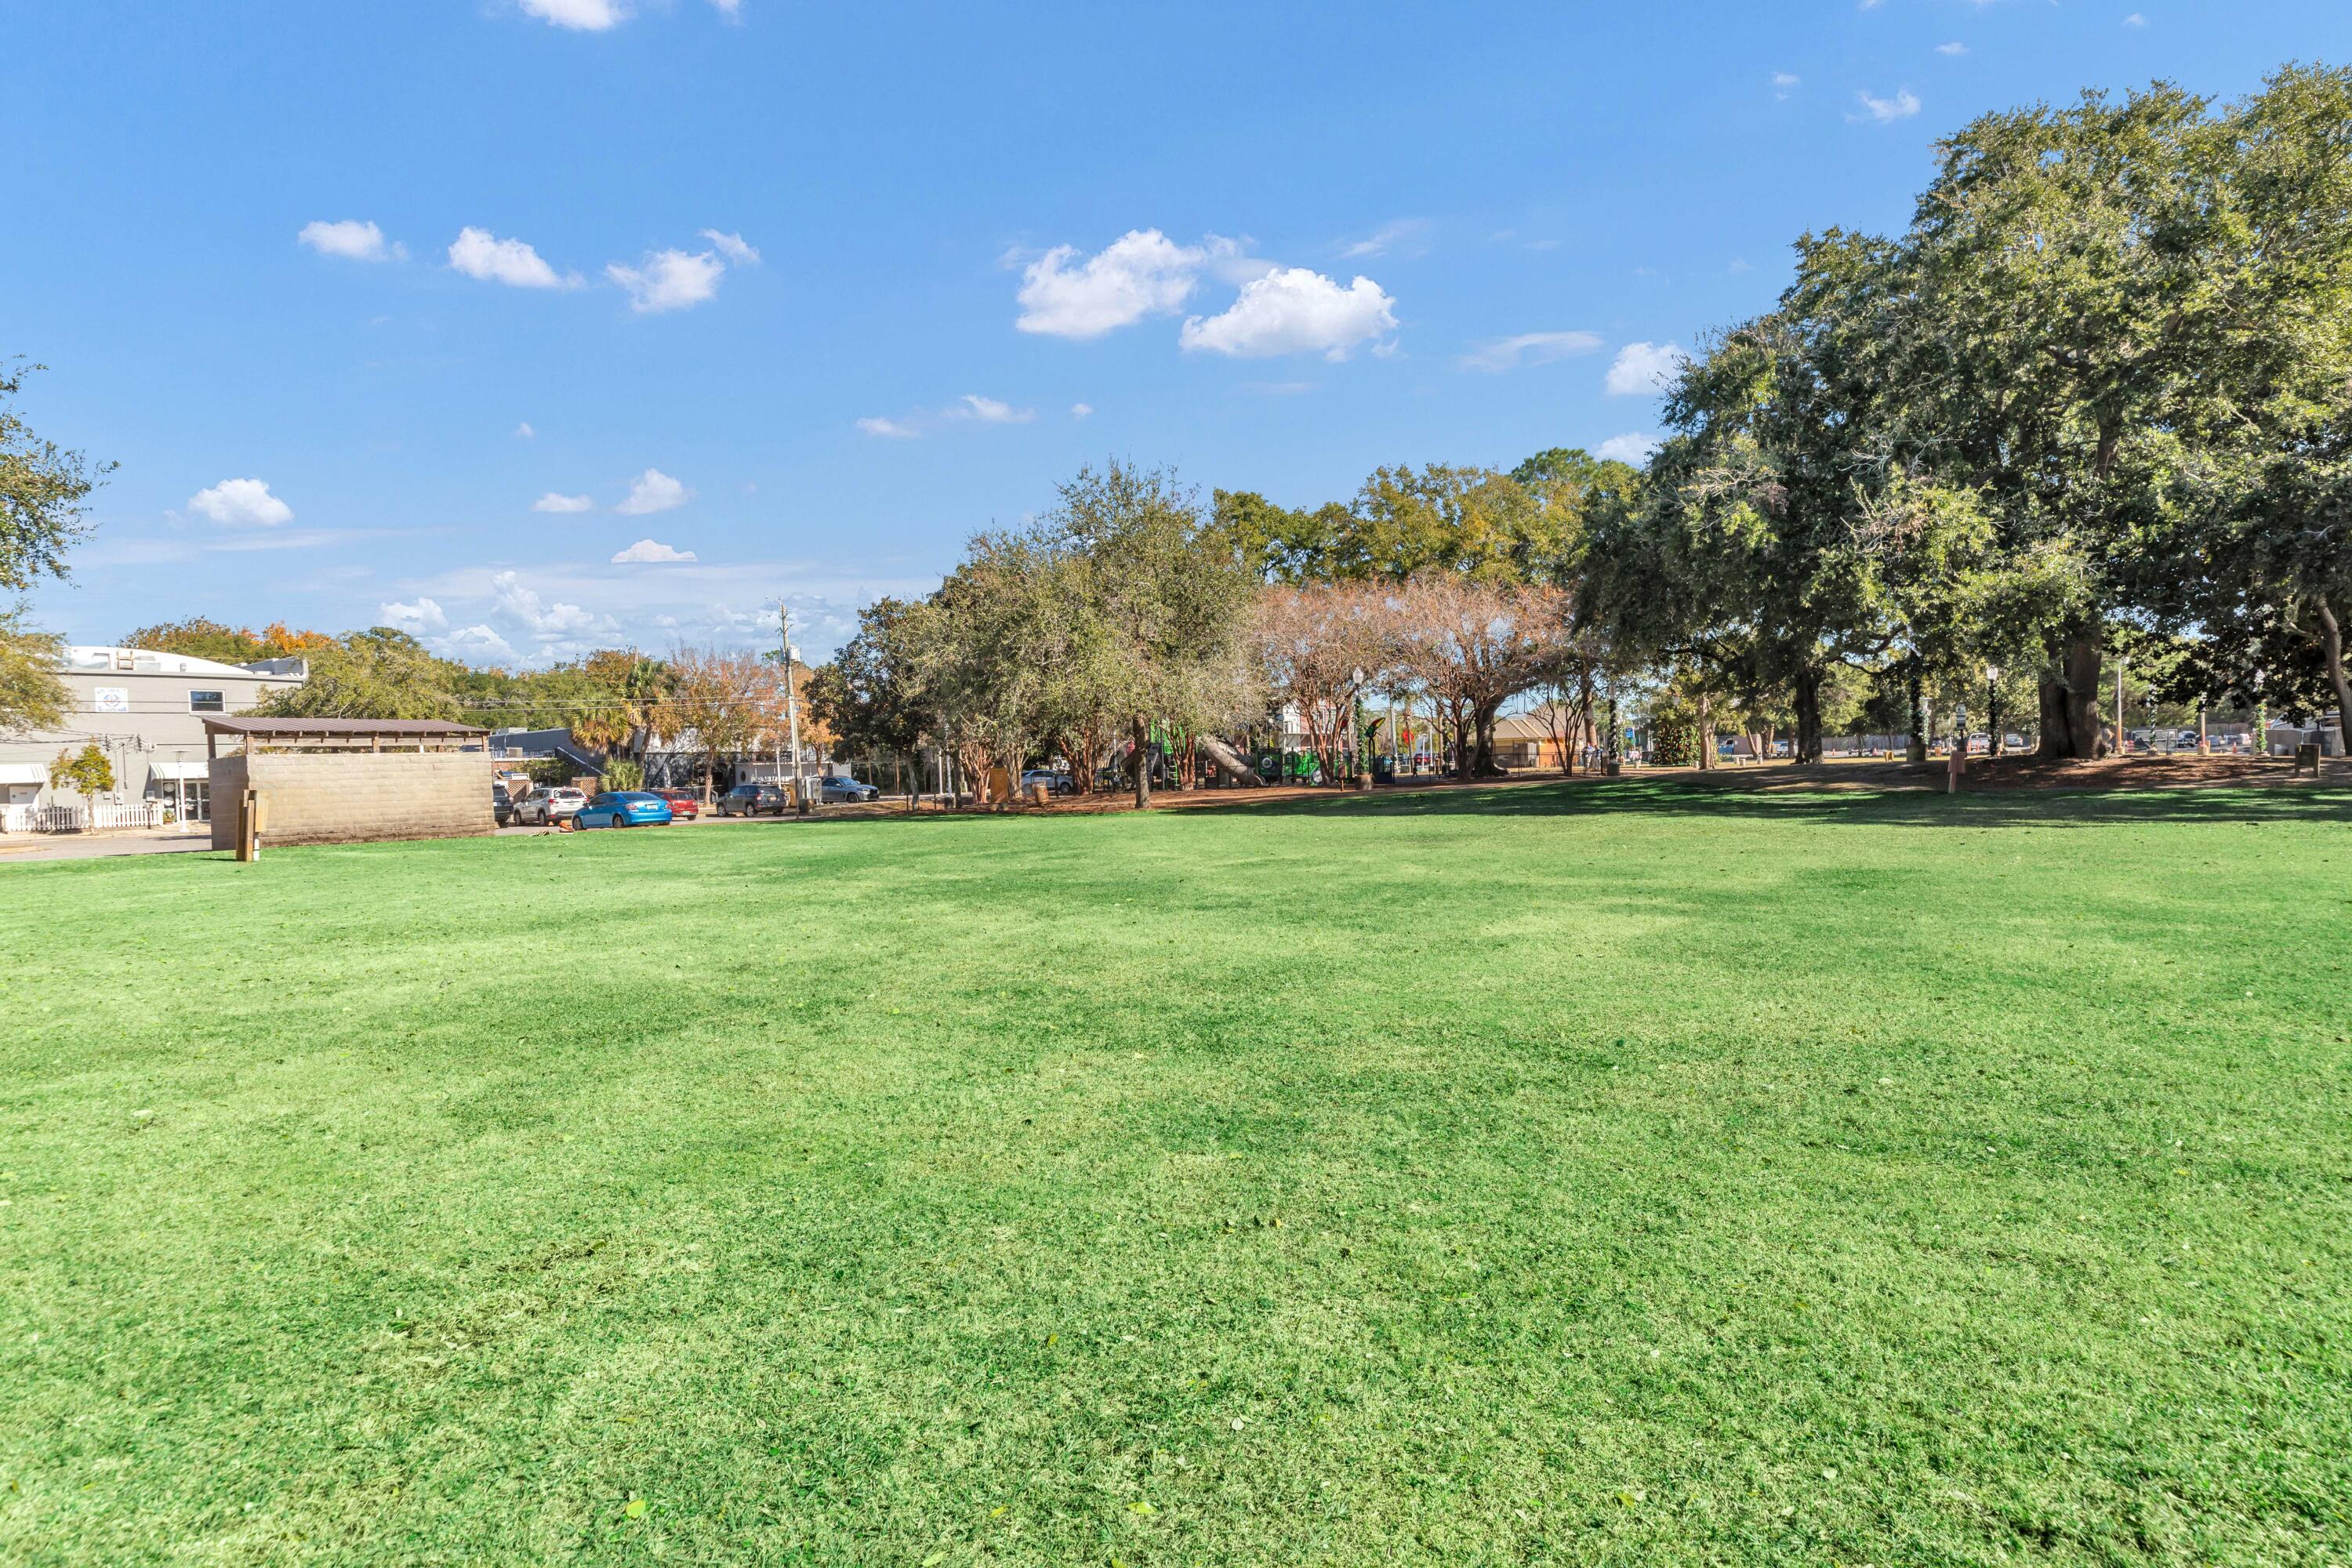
point(23, 773)
point(178, 768)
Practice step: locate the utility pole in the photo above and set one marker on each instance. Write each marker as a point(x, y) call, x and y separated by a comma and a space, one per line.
point(791, 701)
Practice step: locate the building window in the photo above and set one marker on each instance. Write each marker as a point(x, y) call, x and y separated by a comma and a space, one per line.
point(205, 702)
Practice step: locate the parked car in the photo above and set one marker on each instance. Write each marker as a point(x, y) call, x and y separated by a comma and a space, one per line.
point(681, 801)
point(1055, 783)
point(549, 808)
point(751, 799)
point(624, 808)
point(836, 791)
point(501, 808)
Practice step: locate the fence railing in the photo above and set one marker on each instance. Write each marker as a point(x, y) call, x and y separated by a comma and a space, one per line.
point(81, 816)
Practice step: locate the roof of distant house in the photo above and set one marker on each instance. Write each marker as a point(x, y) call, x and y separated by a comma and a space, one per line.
point(92, 659)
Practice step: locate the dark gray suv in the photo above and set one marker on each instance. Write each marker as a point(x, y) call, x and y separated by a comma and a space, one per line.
point(753, 799)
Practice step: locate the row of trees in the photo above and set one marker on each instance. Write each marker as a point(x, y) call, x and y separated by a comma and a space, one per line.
point(1131, 616)
point(2096, 395)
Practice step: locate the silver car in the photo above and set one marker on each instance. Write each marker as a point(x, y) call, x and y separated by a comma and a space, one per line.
point(547, 808)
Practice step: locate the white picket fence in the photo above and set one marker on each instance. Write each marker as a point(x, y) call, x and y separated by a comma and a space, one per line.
point(82, 816)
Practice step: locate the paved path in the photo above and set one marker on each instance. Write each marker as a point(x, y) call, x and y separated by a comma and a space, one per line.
point(19, 847)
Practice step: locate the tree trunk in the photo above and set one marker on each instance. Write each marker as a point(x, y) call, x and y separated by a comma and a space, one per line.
point(1140, 763)
point(2331, 636)
point(1916, 749)
point(1809, 715)
point(2070, 700)
point(1706, 732)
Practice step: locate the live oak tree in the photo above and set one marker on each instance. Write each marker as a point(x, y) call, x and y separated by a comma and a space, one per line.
point(2042, 324)
point(380, 673)
point(1172, 604)
point(2257, 552)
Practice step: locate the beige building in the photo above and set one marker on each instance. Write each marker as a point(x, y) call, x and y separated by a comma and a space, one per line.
point(146, 712)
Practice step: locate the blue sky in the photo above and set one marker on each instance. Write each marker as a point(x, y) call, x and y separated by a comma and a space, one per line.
point(812, 292)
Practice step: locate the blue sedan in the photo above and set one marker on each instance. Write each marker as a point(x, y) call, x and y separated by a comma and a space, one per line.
point(622, 809)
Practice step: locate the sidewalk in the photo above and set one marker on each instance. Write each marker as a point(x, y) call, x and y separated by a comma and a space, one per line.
point(19, 849)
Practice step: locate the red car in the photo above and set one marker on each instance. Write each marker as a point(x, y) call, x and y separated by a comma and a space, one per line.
point(681, 801)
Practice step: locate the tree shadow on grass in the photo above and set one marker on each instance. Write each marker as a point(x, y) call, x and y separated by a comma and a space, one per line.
point(1790, 800)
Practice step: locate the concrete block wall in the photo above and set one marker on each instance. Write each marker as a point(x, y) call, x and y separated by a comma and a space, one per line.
point(354, 797)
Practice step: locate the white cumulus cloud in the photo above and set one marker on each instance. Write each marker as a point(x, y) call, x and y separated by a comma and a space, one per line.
point(1902, 106)
point(651, 550)
point(1784, 83)
point(580, 16)
point(1527, 348)
point(552, 501)
point(423, 617)
point(989, 411)
point(890, 428)
point(527, 608)
point(733, 247)
point(473, 644)
point(1643, 369)
point(1293, 310)
point(478, 253)
point(350, 239)
point(654, 492)
point(670, 279)
point(524, 432)
point(1081, 410)
point(1634, 449)
point(1953, 48)
point(1141, 273)
point(241, 503)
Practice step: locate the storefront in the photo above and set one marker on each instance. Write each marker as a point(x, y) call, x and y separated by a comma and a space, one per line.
point(184, 786)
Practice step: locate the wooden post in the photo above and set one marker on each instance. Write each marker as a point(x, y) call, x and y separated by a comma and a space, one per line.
point(248, 825)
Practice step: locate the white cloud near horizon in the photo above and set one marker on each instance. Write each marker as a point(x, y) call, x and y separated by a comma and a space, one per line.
point(552, 501)
point(670, 279)
point(1141, 273)
point(241, 503)
point(888, 427)
point(1633, 447)
point(654, 492)
point(650, 549)
point(1643, 369)
point(469, 644)
point(478, 253)
point(1292, 310)
point(1880, 110)
point(351, 239)
point(418, 618)
point(1496, 355)
point(544, 619)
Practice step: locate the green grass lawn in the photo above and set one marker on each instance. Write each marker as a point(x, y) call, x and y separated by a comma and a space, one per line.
point(1616, 1173)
